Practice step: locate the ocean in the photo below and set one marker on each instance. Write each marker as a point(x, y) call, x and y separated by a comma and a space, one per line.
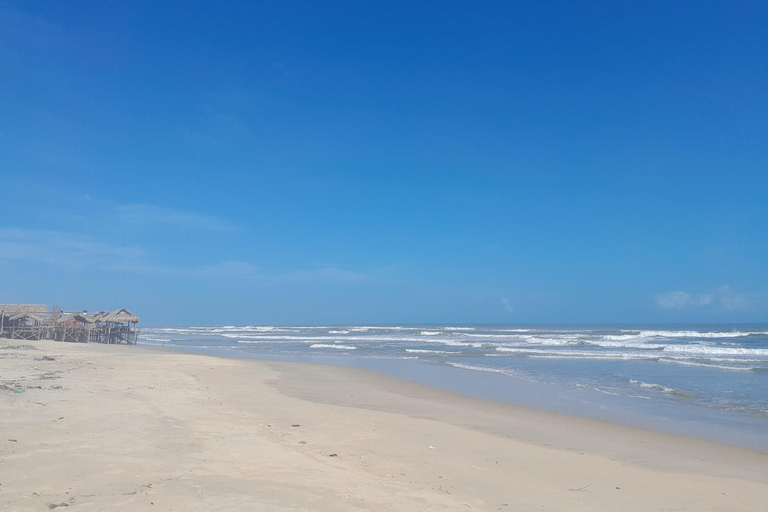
point(704, 381)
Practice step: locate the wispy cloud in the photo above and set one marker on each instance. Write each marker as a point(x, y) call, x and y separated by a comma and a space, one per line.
point(507, 305)
point(241, 270)
point(79, 251)
point(145, 215)
point(328, 274)
point(724, 297)
point(83, 213)
point(62, 249)
point(680, 300)
point(732, 300)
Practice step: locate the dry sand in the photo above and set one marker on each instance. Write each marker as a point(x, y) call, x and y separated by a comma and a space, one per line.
point(102, 428)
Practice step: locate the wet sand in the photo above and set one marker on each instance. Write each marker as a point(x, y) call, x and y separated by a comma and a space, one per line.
point(95, 427)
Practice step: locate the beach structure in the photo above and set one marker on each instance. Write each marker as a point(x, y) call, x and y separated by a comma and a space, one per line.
point(119, 326)
point(35, 322)
point(24, 321)
point(75, 327)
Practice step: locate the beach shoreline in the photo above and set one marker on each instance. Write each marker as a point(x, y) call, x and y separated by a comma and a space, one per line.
point(141, 428)
point(703, 381)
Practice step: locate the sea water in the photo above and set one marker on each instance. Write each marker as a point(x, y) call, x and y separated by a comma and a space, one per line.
point(706, 381)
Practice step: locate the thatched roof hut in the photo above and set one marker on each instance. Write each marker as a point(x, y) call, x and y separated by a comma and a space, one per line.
point(12, 309)
point(31, 316)
point(34, 322)
point(119, 316)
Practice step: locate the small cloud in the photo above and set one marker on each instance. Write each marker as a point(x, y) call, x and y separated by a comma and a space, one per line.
point(507, 305)
point(680, 300)
point(732, 300)
point(723, 297)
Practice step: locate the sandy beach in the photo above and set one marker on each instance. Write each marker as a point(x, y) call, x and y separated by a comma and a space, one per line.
point(102, 427)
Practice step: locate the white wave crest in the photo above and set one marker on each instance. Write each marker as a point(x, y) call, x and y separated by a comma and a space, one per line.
point(708, 350)
point(452, 343)
point(488, 370)
point(625, 344)
point(424, 351)
point(576, 354)
point(659, 387)
point(326, 345)
point(697, 334)
point(705, 364)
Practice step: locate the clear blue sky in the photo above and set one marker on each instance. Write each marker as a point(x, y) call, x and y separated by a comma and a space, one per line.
point(405, 162)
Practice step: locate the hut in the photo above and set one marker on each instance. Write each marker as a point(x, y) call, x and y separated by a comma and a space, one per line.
point(35, 322)
point(74, 327)
point(118, 326)
point(24, 321)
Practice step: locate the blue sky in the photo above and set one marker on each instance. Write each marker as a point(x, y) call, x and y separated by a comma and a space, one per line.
point(407, 162)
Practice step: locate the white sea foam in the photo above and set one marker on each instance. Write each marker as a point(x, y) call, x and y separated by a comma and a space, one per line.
point(625, 344)
point(172, 331)
point(339, 332)
point(424, 351)
point(659, 387)
point(366, 328)
point(707, 350)
point(371, 339)
point(575, 354)
point(553, 342)
point(697, 334)
point(452, 343)
point(516, 340)
point(488, 370)
point(326, 345)
point(500, 336)
point(705, 364)
point(430, 333)
point(599, 390)
point(251, 336)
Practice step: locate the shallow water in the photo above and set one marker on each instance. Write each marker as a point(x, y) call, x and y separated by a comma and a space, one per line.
point(708, 381)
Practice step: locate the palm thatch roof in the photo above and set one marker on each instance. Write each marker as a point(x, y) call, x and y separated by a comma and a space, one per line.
point(86, 318)
point(32, 316)
point(119, 316)
point(65, 317)
point(62, 317)
point(8, 309)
